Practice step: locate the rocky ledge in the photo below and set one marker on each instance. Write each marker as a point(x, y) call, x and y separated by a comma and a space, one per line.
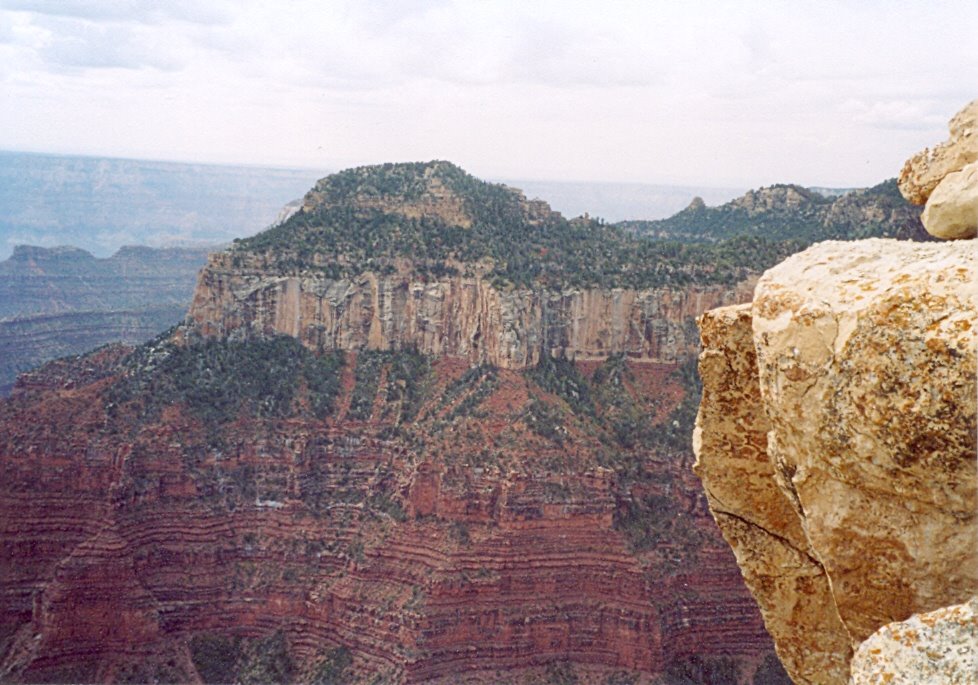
point(836, 441)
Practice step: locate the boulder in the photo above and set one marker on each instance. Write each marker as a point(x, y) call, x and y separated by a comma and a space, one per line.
point(952, 209)
point(936, 648)
point(922, 172)
point(836, 441)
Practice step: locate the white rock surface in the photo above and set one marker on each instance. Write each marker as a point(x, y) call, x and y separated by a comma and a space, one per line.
point(853, 501)
point(922, 172)
point(936, 648)
point(952, 209)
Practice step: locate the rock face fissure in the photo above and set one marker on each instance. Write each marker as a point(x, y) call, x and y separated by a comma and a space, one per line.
point(836, 441)
point(457, 316)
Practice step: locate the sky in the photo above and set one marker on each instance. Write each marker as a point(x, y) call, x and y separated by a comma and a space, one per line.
point(741, 94)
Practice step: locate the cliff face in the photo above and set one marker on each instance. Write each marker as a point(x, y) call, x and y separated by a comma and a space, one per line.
point(420, 521)
point(458, 316)
point(836, 442)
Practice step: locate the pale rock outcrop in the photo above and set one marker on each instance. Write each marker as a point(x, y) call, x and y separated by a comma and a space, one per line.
point(936, 648)
point(952, 209)
point(462, 316)
point(922, 172)
point(757, 520)
point(836, 441)
point(946, 179)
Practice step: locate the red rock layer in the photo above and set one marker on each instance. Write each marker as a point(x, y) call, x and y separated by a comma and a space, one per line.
point(458, 544)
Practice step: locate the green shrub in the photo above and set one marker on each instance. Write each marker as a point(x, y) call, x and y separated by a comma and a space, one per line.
point(334, 669)
point(217, 380)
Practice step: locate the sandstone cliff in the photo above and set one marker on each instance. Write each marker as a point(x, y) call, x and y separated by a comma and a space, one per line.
point(459, 316)
point(836, 442)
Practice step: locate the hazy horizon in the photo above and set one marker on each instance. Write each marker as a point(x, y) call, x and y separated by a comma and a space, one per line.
point(102, 203)
point(715, 94)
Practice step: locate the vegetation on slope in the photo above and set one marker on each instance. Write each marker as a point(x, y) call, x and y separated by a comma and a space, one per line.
point(219, 380)
point(369, 217)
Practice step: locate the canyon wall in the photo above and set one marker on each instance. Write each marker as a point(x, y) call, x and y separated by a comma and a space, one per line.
point(836, 442)
point(458, 316)
point(462, 541)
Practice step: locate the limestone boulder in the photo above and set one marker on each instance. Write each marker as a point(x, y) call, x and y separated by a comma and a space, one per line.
point(922, 172)
point(761, 525)
point(952, 209)
point(836, 441)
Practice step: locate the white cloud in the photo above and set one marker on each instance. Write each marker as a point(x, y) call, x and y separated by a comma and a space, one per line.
point(139, 11)
point(99, 46)
point(923, 114)
point(697, 92)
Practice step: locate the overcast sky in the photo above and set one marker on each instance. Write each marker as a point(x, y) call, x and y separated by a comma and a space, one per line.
point(741, 94)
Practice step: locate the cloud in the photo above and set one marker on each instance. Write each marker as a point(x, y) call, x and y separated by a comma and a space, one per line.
point(701, 91)
point(914, 115)
point(135, 11)
point(75, 44)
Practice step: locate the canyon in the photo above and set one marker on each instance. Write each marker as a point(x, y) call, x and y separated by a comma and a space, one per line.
point(514, 540)
point(385, 477)
point(62, 301)
point(425, 430)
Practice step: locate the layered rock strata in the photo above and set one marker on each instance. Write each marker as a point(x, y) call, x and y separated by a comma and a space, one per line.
point(836, 442)
point(459, 316)
point(497, 531)
point(946, 179)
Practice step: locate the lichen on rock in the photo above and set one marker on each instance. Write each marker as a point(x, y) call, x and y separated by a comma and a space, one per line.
point(936, 648)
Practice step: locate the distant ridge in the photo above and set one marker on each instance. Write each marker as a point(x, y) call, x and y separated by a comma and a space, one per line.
point(621, 201)
point(63, 300)
point(100, 203)
point(786, 211)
